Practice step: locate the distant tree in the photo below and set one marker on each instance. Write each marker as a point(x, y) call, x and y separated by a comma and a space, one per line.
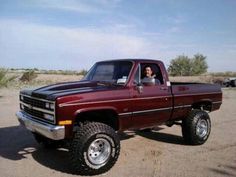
point(199, 64)
point(180, 66)
point(184, 66)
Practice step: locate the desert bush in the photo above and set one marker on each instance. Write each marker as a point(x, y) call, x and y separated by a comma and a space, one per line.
point(28, 76)
point(4, 79)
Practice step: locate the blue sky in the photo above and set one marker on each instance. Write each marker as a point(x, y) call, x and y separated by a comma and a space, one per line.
point(73, 34)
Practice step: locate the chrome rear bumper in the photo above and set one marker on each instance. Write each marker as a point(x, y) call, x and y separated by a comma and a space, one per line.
point(50, 131)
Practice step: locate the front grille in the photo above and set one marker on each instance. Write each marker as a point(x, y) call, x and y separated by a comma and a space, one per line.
point(36, 108)
point(32, 112)
point(34, 102)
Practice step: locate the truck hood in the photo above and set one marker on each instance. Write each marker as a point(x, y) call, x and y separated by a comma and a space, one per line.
point(52, 92)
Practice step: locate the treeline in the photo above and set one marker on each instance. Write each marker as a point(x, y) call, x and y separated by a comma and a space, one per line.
point(223, 74)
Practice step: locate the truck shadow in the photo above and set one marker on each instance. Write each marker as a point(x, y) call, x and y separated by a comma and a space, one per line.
point(16, 143)
point(153, 134)
point(56, 159)
point(162, 137)
point(126, 135)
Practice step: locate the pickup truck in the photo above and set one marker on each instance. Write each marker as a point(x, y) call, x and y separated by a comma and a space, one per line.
point(114, 97)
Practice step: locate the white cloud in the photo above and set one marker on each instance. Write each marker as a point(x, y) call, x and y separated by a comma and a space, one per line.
point(25, 44)
point(81, 6)
point(58, 47)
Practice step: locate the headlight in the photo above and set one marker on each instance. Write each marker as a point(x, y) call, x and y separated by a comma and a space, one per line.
point(49, 106)
point(49, 117)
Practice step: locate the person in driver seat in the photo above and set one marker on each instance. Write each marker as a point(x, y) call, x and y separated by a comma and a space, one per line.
point(149, 76)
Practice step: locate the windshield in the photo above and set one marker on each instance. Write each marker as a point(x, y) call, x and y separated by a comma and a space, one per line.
point(112, 71)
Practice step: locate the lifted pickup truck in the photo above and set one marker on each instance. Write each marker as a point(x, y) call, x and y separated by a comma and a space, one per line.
point(113, 97)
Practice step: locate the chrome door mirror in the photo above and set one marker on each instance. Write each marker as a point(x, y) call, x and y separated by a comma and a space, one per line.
point(139, 87)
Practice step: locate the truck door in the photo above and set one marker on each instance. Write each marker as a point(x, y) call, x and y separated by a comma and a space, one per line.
point(152, 99)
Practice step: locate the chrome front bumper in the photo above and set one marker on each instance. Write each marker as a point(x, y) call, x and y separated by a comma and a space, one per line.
point(50, 131)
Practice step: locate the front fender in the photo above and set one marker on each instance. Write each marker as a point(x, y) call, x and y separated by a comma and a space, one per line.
point(100, 108)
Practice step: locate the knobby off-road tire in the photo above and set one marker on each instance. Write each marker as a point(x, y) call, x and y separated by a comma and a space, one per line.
point(196, 127)
point(94, 149)
point(46, 142)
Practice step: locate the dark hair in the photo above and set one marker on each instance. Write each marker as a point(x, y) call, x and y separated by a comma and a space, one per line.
point(148, 66)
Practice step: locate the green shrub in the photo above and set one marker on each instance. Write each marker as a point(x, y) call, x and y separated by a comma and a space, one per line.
point(184, 66)
point(28, 76)
point(4, 79)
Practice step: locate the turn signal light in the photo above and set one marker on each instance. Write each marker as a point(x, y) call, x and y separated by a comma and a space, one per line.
point(65, 122)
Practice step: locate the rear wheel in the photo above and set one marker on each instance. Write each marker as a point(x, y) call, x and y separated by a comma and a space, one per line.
point(94, 149)
point(196, 127)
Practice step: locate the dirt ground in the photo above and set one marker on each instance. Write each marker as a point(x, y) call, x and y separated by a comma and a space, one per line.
point(160, 153)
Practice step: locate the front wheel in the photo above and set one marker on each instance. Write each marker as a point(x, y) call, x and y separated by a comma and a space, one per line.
point(196, 127)
point(94, 149)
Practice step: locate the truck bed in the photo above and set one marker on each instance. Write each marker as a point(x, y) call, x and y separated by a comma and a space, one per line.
point(188, 95)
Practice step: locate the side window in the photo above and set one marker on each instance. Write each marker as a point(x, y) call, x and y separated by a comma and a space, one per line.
point(151, 74)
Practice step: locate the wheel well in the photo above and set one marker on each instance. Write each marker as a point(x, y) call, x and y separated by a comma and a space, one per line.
point(203, 105)
point(108, 117)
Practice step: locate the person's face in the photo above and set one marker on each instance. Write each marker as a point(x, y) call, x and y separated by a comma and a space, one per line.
point(148, 72)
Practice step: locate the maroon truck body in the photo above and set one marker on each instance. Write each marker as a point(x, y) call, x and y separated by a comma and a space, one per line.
point(121, 106)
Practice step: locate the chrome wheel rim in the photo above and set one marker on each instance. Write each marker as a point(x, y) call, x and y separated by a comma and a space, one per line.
point(99, 151)
point(202, 128)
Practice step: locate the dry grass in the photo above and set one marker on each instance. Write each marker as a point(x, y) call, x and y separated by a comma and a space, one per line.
point(46, 79)
point(198, 79)
point(42, 80)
